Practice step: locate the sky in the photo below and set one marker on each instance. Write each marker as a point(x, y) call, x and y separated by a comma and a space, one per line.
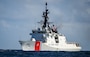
point(19, 17)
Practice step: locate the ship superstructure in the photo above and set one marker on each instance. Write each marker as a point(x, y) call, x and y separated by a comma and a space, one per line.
point(47, 38)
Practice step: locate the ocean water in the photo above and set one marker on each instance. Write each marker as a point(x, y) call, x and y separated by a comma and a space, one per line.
point(20, 53)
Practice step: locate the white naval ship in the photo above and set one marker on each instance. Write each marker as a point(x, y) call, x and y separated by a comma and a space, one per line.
point(47, 38)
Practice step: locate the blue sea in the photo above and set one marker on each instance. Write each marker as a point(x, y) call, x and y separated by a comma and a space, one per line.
point(20, 53)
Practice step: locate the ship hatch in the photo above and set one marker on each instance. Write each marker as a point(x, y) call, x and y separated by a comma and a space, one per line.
point(56, 39)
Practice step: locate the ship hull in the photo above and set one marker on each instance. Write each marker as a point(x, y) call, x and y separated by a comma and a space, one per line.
point(31, 46)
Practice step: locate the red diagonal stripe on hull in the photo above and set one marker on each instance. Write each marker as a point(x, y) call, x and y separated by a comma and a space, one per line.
point(37, 46)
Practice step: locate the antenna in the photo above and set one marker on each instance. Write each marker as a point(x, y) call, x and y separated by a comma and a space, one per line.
point(45, 15)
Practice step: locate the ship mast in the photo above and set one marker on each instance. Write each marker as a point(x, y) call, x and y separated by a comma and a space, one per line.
point(45, 16)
